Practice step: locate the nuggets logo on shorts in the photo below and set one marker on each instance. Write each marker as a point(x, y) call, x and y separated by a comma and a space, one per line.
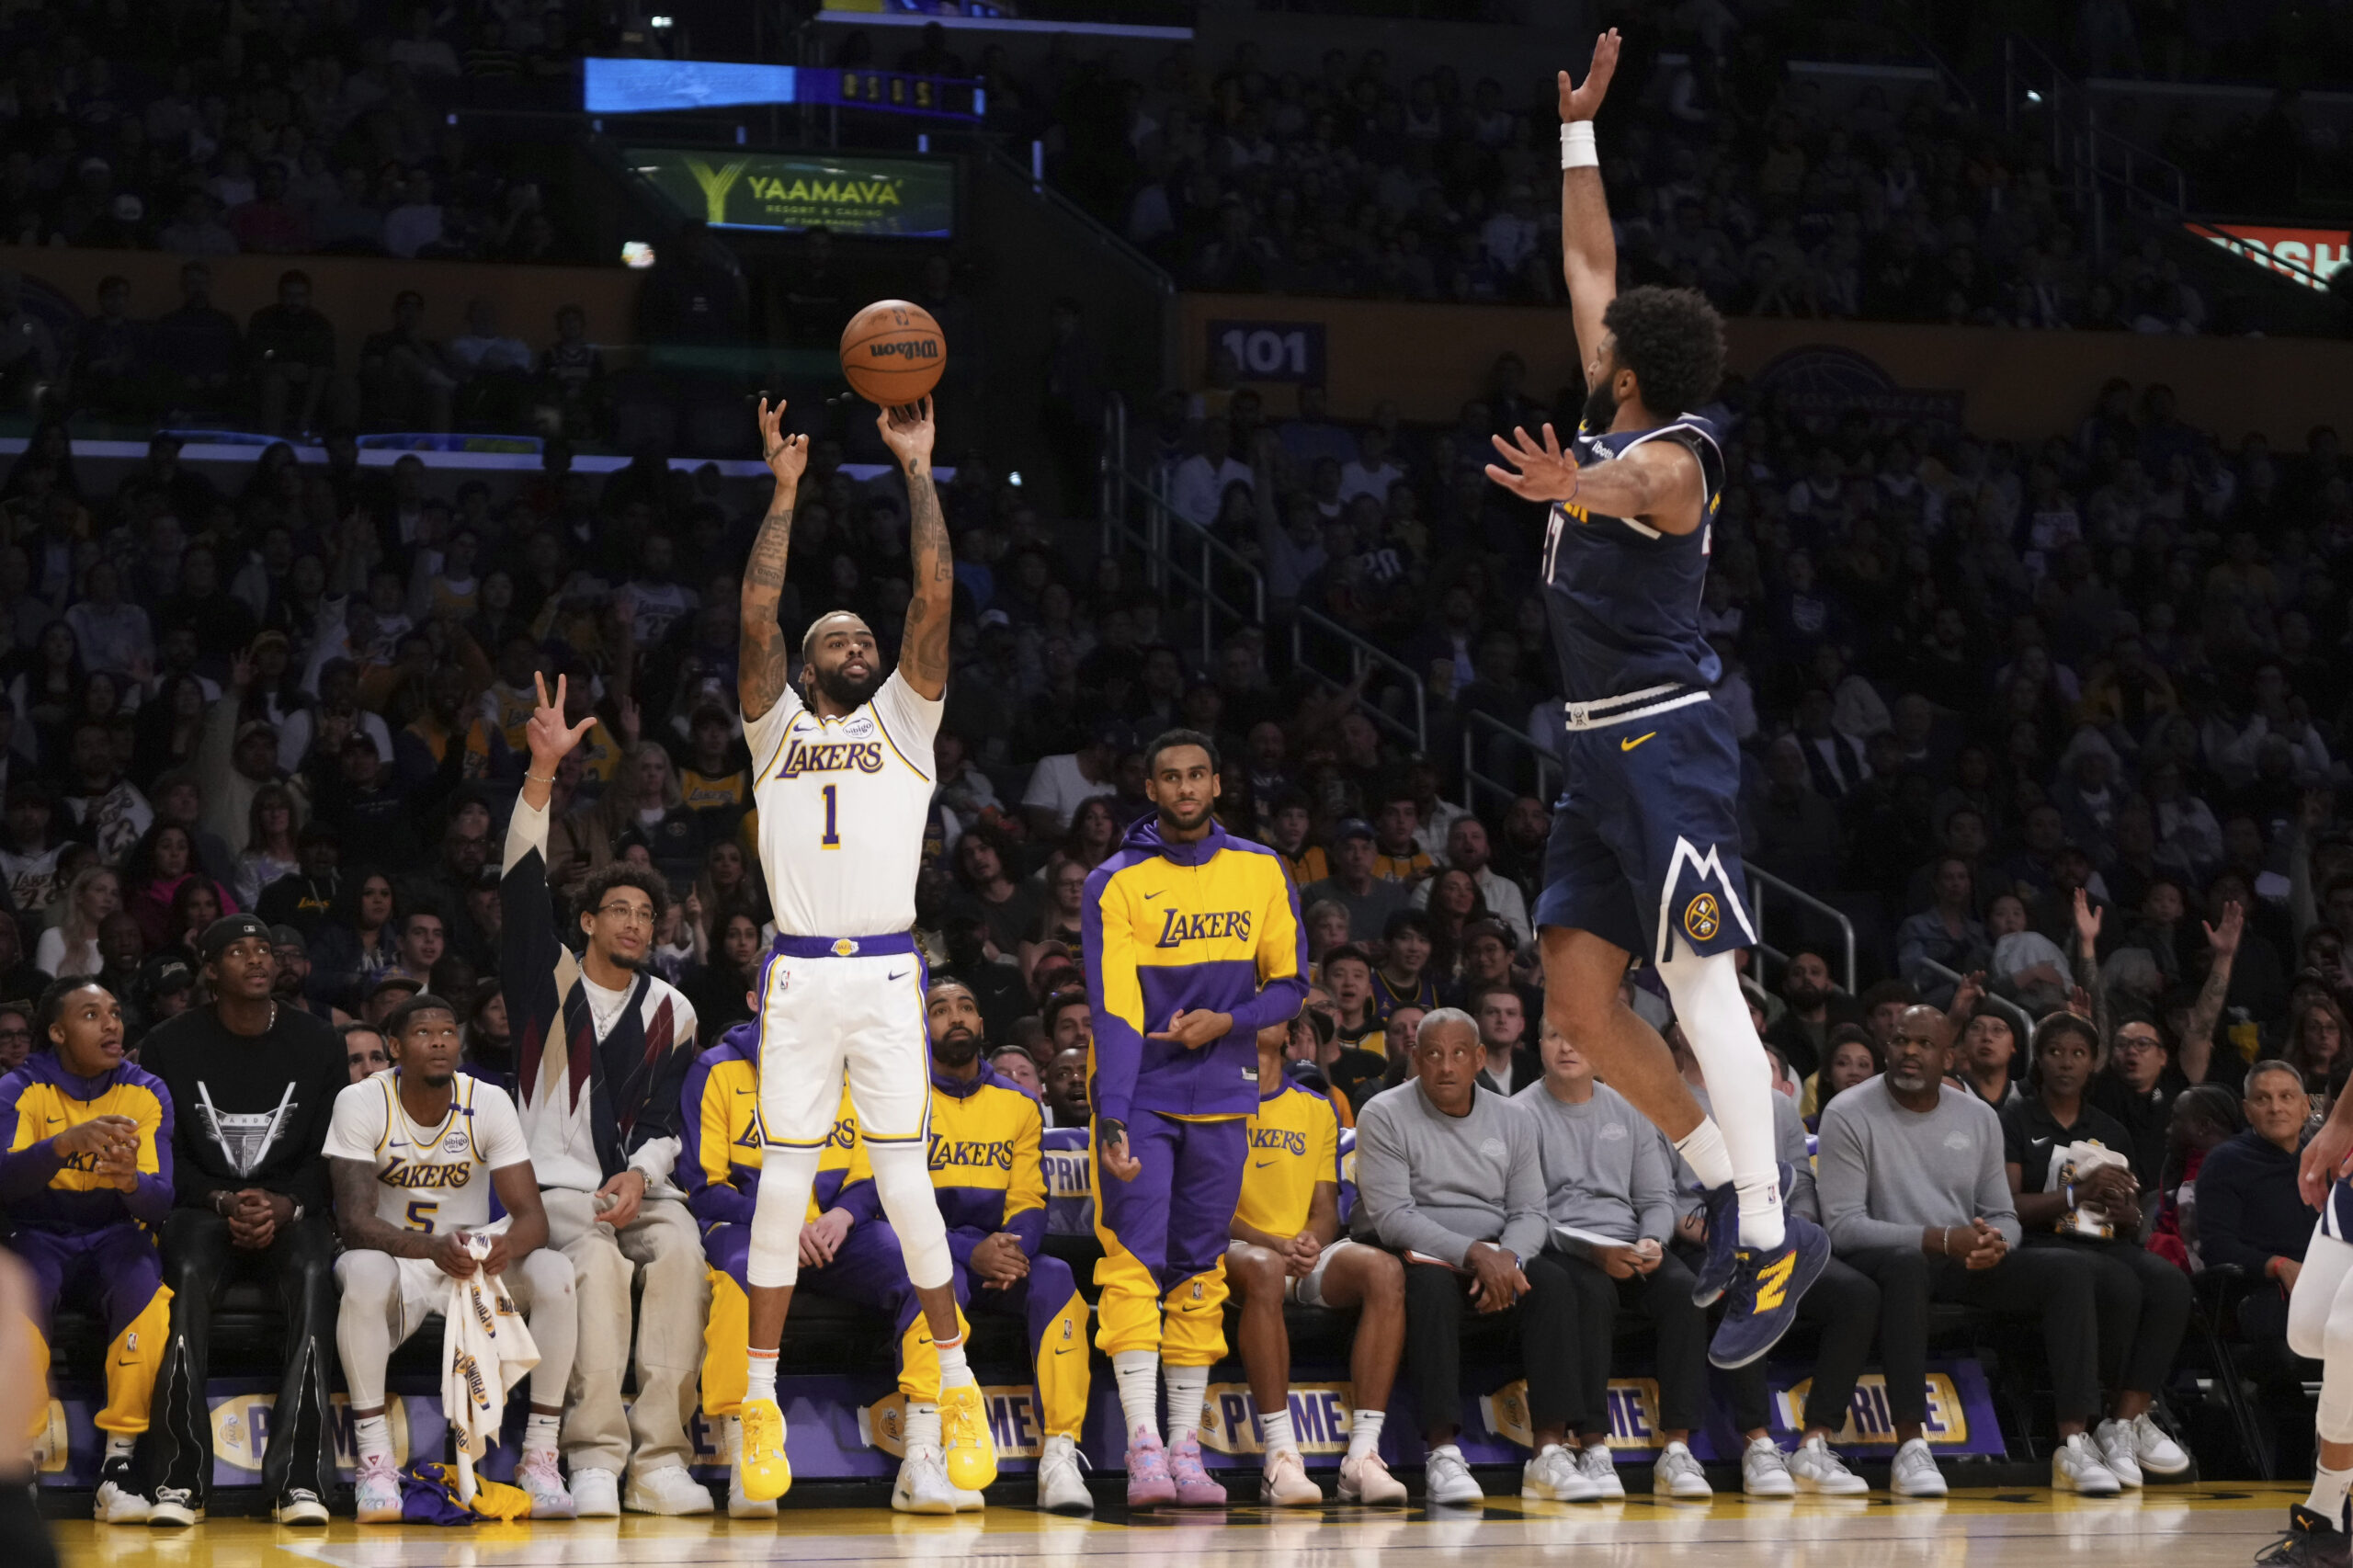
point(1701, 920)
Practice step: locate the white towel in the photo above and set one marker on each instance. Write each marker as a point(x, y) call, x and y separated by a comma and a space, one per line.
point(486, 1349)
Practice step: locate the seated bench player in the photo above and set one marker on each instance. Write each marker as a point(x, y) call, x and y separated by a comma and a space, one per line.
point(985, 1168)
point(1287, 1246)
point(719, 1167)
point(422, 1156)
point(85, 1202)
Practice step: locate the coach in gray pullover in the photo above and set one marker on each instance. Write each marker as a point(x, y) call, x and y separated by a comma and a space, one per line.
point(1435, 1184)
point(1447, 1177)
point(1913, 1195)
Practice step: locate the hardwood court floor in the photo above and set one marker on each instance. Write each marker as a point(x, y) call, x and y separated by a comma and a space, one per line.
point(2204, 1527)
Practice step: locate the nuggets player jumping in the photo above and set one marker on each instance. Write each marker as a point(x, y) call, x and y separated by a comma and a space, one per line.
point(843, 783)
point(1645, 853)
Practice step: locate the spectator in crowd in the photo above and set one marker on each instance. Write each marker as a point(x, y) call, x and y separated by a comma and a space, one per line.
point(1448, 1179)
point(2250, 1216)
point(2142, 1303)
point(623, 1140)
point(1914, 1196)
point(365, 1051)
point(253, 1088)
point(1355, 885)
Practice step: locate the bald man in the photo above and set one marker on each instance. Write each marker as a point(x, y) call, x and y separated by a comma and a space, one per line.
point(1913, 1195)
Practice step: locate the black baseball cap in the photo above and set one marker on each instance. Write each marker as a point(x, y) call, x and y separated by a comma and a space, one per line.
point(228, 930)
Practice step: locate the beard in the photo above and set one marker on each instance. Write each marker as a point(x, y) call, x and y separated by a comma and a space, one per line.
point(626, 962)
point(1803, 996)
point(843, 691)
point(956, 1048)
point(1600, 408)
point(1173, 817)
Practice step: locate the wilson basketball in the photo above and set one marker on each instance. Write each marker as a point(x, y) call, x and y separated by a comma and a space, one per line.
point(892, 353)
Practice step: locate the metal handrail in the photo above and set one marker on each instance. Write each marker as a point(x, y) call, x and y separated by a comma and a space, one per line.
point(1159, 540)
point(1155, 274)
point(1758, 878)
point(1362, 652)
point(2015, 1015)
point(1548, 762)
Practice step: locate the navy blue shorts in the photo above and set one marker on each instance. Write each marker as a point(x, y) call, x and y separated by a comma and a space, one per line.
point(1645, 841)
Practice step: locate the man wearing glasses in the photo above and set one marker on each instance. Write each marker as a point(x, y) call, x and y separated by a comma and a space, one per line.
point(15, 1035)
point(602, 1046)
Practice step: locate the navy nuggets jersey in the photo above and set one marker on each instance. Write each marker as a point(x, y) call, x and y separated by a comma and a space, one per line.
point(1623, 598)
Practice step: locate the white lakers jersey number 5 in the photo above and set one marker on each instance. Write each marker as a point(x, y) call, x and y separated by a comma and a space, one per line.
point(842, 804)
point(435, 1179)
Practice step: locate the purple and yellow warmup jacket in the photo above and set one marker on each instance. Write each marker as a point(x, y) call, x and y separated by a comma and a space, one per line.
point(1167, 926)
point(983, 1160)
point(44, 1190)
point(719, 1116)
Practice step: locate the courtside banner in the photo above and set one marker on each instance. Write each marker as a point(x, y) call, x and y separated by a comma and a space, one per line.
point(2303, 255)
point(848, 1426)
point(901, 197)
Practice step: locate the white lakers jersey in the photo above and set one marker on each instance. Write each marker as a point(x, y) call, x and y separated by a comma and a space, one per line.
point(842, 804)
point(434, 1179)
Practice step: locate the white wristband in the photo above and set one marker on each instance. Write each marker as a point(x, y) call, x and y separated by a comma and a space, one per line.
point(1577, 151)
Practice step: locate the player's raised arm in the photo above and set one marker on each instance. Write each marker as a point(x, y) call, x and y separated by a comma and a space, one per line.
point(923, 653)
point(763, 667)
point(1588, 249)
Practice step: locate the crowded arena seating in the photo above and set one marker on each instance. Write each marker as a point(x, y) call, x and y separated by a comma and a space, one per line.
point(2029, 728)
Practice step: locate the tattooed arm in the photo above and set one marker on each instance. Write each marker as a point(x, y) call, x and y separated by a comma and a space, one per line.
point(760, 678)
point(923, 653)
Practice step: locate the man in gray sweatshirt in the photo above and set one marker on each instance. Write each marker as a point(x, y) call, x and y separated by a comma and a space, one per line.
point(1612, 1202)
point(1447, 1177)
point(1913, 1195)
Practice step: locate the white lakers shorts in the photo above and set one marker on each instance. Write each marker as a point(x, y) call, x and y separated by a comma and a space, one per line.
point(831, 1007)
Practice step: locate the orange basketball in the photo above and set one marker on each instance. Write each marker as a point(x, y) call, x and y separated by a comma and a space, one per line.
point(892, 353)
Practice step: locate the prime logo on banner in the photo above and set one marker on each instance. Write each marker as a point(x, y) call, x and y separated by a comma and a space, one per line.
point(897, 197)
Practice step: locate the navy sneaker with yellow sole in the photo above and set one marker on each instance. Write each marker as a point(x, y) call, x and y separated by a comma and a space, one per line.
point(1722, 1259)
point(1765, 1290)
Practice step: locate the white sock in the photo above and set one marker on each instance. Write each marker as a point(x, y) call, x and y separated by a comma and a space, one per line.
point(1760, 1214)
point(1714, 1014)
point(119, 1444)
point(923, 1424)
point(761, 1381)
point(954, 1370)
point(540, 1433)
point(1138, 1375)
point(1364, 1431)
point(1188, 1387)
point(2327, 1497)
point(1276, 1428)
point(372, 1437)
point(1703, 1149)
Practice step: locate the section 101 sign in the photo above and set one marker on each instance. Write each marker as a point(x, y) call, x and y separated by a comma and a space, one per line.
point(1270, 351)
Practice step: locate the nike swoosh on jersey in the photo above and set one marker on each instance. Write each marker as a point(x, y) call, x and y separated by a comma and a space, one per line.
point(1638, 740)
point(901, 975)
point(1150, 896)
point(2039, 1143)
point(1261, 1164)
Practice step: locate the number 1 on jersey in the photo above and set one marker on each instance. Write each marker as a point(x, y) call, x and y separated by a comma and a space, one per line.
point(831, 840)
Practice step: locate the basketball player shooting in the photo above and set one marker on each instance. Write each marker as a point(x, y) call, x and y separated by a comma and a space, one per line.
point(842, 786)
point(1644, 853)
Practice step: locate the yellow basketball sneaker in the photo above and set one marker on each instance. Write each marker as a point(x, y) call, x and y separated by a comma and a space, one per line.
point(767, 1474)
point(965, 1432)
